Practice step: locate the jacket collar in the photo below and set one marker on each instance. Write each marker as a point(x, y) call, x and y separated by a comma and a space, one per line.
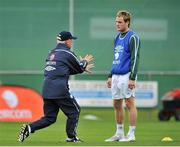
point(62, 46)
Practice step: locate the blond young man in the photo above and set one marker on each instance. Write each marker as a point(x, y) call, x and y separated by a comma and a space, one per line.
point(122, 79)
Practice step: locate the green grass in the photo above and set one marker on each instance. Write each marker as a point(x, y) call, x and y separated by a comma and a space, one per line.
point(149, 131)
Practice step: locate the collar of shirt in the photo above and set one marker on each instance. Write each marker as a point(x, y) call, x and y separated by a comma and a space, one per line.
point(62, 46)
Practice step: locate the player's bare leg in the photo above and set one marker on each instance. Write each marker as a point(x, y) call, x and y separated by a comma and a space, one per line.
point(119, 111)
point(132, 111)
point(130, 104)
point(119, 116)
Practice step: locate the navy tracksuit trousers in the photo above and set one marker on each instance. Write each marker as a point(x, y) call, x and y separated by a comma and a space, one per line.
point(70, 108)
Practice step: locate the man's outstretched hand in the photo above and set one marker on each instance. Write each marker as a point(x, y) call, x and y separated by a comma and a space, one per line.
point(88, 58)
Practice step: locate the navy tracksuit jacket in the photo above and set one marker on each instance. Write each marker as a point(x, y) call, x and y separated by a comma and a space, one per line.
point(60, 64)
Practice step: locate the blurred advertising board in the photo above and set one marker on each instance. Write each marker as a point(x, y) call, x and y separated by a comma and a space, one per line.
point(96, 94)
point(19, 104)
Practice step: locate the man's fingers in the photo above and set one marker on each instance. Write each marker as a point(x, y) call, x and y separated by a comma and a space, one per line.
point(131, 86)
point(88, 57)
point(89, 67)
point(91, 58)
point(88, 71)
point(80, 58)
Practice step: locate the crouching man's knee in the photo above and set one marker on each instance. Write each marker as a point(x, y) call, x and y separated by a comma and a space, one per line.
point(50, 120)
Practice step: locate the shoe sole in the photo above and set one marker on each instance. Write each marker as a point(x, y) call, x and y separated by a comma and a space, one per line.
point(22, 137)
point(127, 140)
point(111, 140)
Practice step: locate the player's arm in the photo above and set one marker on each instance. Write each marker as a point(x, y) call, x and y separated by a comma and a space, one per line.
point(134, 50)
point(79, 66)
point(109, 80)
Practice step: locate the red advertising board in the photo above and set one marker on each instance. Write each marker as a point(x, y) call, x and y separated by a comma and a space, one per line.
point(19, 104)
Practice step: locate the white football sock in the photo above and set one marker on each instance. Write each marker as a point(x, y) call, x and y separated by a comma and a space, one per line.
point(119, 129)
point(131, 130)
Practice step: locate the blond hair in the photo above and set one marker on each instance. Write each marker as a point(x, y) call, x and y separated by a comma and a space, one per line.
point(125, 14)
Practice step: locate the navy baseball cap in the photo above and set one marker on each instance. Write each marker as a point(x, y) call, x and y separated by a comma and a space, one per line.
point(64, 35)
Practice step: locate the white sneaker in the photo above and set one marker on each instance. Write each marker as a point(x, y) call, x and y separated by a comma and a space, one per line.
point(128, 138)
point(114, 138)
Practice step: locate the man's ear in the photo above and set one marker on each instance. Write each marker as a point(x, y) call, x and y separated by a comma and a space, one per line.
point(128, 22)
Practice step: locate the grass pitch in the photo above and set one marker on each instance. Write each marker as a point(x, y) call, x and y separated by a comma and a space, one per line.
point(149, 131)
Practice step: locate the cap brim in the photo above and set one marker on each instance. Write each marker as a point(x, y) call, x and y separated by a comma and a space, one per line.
point(73, 37)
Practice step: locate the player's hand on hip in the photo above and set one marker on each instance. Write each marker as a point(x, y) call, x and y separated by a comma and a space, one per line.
point(109, 82)
point(131, 84)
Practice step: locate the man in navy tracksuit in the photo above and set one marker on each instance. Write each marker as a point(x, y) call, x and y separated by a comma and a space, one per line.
point(60, 64)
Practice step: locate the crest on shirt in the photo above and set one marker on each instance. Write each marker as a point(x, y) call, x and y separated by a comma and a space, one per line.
point(119, 48)
point(116, 56)
point(51, 57)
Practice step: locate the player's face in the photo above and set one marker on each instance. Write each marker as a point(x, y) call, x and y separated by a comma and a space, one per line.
point(69, 43)
point(121, 25)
